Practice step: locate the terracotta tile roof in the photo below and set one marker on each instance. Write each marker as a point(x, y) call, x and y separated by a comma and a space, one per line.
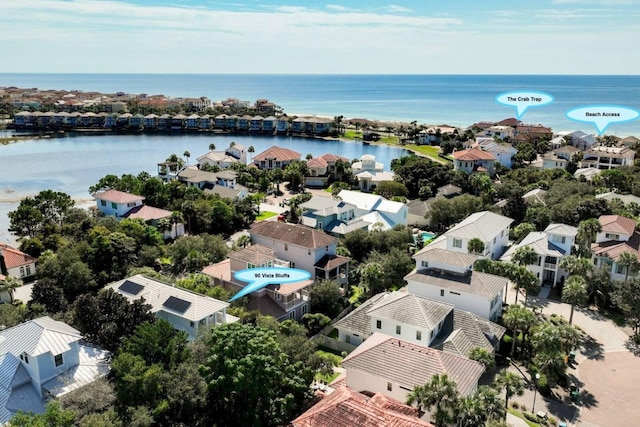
point(617, 224)
point(412, 364)
point(473, 154)
point(220, 270)
point(147, 213)
point(116, 196)
point(317, 162)
point(612, 249)
point(333, 157)
point(14, 258)
point(347, 408)
point(292, 233)
point(277, 153)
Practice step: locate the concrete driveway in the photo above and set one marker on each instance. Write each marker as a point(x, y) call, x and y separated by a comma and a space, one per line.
point(606, 373)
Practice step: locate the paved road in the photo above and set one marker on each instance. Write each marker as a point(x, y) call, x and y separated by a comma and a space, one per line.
point(606, 372)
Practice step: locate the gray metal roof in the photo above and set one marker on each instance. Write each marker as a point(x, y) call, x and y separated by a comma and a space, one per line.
point(483, 225)
point(358, 320)
point(443, 256)
point(38, 336)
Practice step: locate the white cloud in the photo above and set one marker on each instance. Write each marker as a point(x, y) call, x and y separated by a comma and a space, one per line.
point(394, 8)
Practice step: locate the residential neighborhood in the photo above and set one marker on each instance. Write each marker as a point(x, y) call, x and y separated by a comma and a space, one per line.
point(459, 271)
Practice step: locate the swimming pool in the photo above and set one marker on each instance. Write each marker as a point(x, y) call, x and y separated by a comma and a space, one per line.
point(426, 236)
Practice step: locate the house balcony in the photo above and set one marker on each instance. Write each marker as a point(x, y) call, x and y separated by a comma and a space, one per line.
point(550, 266)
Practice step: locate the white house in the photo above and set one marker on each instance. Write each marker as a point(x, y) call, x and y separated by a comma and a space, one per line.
point(236, 153)
point(116, 203)
point(42, 359)
point(490, 228)
point(617, 236)
point(370, 173)
point(559, 158)
point(551, 245)
point(419, 321)
point(187, 311)
point(393, 367)
point(503, 152)
point(17, 263)
point(602, 157)
point(388, 212)
point(498, 131)
point(474, 160)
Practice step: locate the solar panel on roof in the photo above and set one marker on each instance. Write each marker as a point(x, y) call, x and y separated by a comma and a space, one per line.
point(177, 304)
point(131, 287)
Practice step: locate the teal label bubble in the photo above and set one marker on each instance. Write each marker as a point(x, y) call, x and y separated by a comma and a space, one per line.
point(258, 278)
point(601, 116)
point(522, 100)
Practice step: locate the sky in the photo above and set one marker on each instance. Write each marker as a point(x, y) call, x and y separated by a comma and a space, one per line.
point(318, 37)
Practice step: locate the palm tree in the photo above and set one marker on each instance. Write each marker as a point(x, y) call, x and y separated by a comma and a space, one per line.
point(212, 147)
point(630, 263)
point(371, 277)
point(251, 150)
point(576, 266)
point(484, 356)
point(441, 392)
point(492, 405)
point(587, 232)
point(512, 384)
point(574, 292)
point(469, 412)
point(187, 154)
point(244, 241)
point(9, 285)
point(475, 246)
point(518, 318)
point(525, 255)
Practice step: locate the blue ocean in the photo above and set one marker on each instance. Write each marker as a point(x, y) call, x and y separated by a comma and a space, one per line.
point(72, 163)
point(458, 100)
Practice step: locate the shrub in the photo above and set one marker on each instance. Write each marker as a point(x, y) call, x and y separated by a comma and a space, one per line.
point(553, 421)
point(515, 405)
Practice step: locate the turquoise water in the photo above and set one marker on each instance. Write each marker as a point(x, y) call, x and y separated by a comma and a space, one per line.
point(427, 236)
point(459, 100)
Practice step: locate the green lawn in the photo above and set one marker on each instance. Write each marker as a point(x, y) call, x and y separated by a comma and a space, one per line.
point(265, 215)
point(338, 360)
point(522, 417)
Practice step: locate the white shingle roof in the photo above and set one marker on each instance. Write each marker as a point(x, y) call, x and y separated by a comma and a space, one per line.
point(484, 225)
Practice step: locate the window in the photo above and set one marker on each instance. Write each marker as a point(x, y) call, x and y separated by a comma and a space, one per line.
point(425, 264)
point(457, 243)
point(25, 358)
point(130, 205)
point(286, 247)
point(379, 324)
point(192, 324)
point(389, 386)
point(308, 251)
point(347, 339)
point(28, 269)
point(419, 335)
point(58, 360)
point(305, 309)
point(103, 203)
point(454, 293)
point(612, 236)
point(21, 271)
point(326, 248)
point(114, 205)
point(620, 269)
point(430, 335)
point(292, 315)
point(398, 329)
point(441, 292)
point(249, 266)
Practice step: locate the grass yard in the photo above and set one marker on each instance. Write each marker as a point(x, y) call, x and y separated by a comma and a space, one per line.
point(522, 417)
point(265, 215)
point(331, 355)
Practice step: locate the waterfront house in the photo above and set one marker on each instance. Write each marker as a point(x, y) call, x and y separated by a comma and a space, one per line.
point(136, 121)
point(192, 176)
point(192, 122)
point(236, 153)
point(394, 367)
point(244, 122)
point(187, 311)
point(551, 245)
point(323, 169)
point(370, 173)
point(15, 263)
point(43, 359)
point(345, 407)
point(269, 124)
point(116, 203)
point(220, 121)
point(474, 160)
point(618, 235)
point(150, 121)
point(204, 122)
point(256, 124)
point(232, 122)
point(420, 321)
point(282, 124)
point(275, 158)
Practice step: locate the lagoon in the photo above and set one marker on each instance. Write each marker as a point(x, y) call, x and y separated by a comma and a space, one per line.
point(73, 162)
